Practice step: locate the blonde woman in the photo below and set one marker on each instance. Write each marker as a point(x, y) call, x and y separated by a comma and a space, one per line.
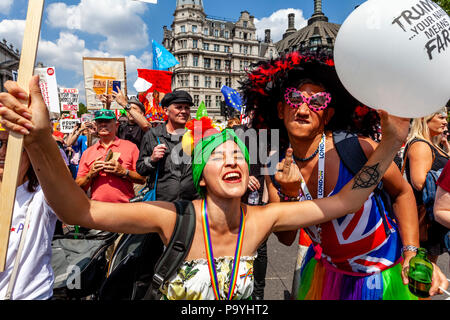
point(423, 154)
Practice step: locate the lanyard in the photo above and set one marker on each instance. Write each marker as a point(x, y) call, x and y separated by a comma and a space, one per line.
point(320, 183)
point(210, 254)
point(321, 175)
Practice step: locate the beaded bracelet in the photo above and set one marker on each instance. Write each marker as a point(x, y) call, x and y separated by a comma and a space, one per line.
point(285, 198)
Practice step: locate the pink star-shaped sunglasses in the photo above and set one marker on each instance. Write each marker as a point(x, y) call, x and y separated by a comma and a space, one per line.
point(316, 102)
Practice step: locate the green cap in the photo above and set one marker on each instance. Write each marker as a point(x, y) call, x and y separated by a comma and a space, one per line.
point(104, 114)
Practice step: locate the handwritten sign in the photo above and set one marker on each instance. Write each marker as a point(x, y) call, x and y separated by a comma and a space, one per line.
point(67, 125)
point(49, 87)
point(68, 99)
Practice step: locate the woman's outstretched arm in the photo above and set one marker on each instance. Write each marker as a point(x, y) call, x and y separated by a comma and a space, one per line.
point(68, 200)
point(294, 215)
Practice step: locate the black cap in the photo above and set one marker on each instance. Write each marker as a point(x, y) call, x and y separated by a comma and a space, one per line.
point(178, 96)
point(136, 101)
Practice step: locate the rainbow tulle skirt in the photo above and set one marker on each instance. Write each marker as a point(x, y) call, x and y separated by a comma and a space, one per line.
point(320, 281)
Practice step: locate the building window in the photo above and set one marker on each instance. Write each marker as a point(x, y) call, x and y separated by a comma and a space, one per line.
point(228, 82)
point(183, 29)
point(218, 101)
point(183, 44)
point(195, 43)
point(217, 64)
point(218, 82)
point(195, 61)
point(206, 46)
point(194, 29)
point(216, 33)
point(196, 99)
point(207, 63)
point(196, 81)
point(243, 65)
point(227, 34)
point(245, 49)
point(183, 60)
point(183, 80)
point(245, 36)
point(206, 32)
point(208, 101)
point(226, 49)
point(216, 47)
point(222, 26)
point(315, 41)
point(207, 82)
point(228, 65)
point(245, 24)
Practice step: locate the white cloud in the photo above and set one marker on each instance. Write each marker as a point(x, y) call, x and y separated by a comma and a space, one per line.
point(278, 23)
point(5, 6)
point(118, 21)
point(12, 31)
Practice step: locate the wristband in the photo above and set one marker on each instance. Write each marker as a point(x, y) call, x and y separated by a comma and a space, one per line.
point(285, 198)
point(127, 107)
point(409, 248)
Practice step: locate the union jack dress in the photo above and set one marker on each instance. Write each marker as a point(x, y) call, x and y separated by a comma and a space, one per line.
point(353, 256)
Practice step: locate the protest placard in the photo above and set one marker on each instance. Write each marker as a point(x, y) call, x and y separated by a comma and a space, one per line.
point(67, 125)
point(49, 87)
point(87, 117)
point(68, 99)
point(100, 76)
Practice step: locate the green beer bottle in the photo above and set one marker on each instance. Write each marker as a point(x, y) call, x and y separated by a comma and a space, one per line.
point(420, 274)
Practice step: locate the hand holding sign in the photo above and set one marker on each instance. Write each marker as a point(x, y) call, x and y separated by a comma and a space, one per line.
point(395, 55)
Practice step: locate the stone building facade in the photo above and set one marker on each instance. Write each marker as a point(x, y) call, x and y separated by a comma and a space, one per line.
point(319, 33)
point(9, 62)
point(212, 52)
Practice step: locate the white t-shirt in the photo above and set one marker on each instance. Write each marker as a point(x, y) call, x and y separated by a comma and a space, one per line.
point(35, 275)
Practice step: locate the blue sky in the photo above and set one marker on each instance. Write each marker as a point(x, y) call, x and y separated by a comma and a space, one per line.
point(72, 29)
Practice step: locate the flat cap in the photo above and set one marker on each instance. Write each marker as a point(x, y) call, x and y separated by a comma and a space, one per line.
point(178, 96)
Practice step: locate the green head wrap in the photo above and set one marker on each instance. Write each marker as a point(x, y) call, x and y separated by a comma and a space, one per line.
point(205, 147)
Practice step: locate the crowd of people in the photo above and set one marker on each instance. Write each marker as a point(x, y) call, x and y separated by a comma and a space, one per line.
point(360, 223)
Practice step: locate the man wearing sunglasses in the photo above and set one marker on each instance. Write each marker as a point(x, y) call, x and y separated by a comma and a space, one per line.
point(109, 166)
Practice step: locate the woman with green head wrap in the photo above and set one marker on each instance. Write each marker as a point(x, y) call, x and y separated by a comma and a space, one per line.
point(227, 233)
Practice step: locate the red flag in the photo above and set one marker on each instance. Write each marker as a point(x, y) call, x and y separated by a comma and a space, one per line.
point(161, 80)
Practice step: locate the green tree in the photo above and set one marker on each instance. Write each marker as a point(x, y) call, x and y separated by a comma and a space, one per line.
point(82, 109)
point(445, 4)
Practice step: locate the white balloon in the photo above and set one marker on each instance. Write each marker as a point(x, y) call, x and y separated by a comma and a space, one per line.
point(395, 55)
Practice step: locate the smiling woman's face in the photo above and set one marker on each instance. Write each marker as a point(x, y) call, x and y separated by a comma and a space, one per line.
point(226, 172)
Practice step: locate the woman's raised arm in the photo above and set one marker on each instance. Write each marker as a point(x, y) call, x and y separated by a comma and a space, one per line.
point(294, 215)
point(68, 200)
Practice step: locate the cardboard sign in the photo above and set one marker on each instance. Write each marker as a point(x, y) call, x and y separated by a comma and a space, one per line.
point(49, 88)
point(68, 99)
point(87, 117)
point(101, 75)
point(67, 125)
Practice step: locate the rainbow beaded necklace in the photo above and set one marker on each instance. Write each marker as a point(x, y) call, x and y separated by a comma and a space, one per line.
point(210, 254)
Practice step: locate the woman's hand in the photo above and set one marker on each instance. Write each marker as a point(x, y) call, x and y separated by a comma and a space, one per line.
point(439, 280)
point(393, 127)
point(253, 184)
point(288, 175)
point(32, 121)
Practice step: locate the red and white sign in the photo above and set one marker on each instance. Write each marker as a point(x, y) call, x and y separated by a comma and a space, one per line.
point(69, 99)
point(49, 88)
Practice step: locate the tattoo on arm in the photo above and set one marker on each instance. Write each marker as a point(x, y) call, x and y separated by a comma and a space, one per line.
point(367, 177)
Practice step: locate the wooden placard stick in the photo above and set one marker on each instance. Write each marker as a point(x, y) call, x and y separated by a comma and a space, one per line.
point(15, 141)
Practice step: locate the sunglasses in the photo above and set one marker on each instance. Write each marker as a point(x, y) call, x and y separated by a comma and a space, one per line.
point(316, 102)
point(3, 143)
point(107, 113)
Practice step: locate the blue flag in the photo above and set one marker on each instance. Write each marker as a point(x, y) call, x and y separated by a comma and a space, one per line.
point(162, 58)
point(232, 98)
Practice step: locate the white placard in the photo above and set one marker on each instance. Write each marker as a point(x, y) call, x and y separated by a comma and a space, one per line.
point(69, 99)
point(49, 88)
point(67, 125)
